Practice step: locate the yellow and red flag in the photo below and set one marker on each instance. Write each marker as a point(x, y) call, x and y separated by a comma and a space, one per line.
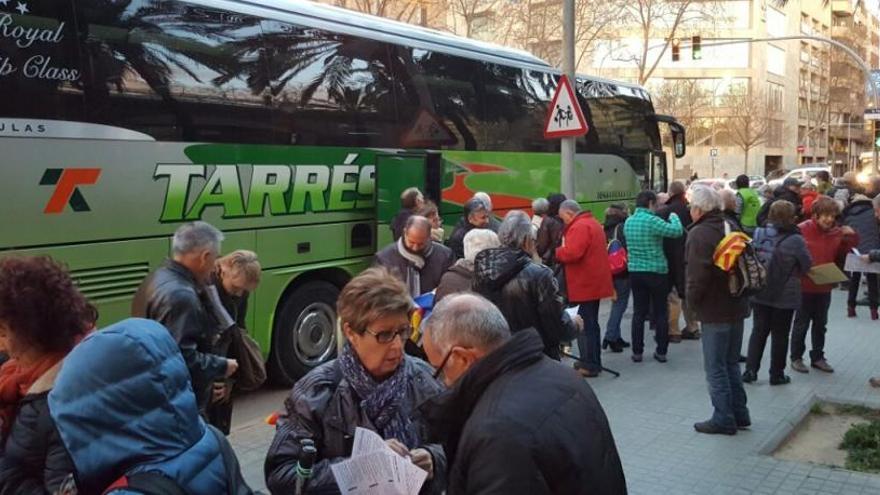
point(728, 250)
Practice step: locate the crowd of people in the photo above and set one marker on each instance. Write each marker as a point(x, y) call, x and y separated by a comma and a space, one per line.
point(478, 397)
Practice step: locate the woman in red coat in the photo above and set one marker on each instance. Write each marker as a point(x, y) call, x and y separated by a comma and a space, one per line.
point(584, 255)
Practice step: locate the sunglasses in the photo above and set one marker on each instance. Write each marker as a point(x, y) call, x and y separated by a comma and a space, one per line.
point(387, 336)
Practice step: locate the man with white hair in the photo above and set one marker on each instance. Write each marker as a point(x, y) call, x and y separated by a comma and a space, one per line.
point(526, 292)
point(174, 296)
point(460, 276)
point(513, 420)
point(721, 314)
point(494, 223)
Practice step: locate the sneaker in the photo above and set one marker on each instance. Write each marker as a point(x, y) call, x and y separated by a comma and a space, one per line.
point(688, 335)
point(661, 358)
point(780, 380)
point(711, 428)
point(637, 358)
point(851, 311)
point(822, 365)
point(799, 366)
point(749, 376)
point(675, 339)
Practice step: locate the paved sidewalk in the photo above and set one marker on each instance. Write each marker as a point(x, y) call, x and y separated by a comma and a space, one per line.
point(653, 406)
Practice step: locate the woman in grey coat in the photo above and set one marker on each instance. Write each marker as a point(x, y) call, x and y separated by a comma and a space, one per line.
point(783, 251)
point(372, 384)
point(860, 215)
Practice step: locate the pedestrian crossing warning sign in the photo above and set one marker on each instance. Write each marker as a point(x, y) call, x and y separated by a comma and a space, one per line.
point(564, 117)
point(428, 130)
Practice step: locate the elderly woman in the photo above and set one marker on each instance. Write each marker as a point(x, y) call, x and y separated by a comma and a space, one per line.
point(236, 275)
point(460, 276)
point(540, 208)
point(42, 316)
point(372, 384)
point(784, 252)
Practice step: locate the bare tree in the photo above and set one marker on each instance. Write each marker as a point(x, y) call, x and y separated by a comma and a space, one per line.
point(469, 12)
point(411, 11)
point(688, 100)
point(746, 121)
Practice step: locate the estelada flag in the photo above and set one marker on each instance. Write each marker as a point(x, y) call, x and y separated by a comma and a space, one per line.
point(728, 250)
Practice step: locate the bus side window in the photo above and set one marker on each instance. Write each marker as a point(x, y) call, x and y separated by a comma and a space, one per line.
point(330, 89)
point(175, 71)
point(40, 78)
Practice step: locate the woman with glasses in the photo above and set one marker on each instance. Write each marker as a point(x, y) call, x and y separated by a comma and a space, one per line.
point(372, 384)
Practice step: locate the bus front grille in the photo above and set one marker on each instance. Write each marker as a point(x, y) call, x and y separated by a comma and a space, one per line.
point(110, 282)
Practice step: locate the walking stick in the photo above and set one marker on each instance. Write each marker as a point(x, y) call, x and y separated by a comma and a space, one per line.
point(304, 466)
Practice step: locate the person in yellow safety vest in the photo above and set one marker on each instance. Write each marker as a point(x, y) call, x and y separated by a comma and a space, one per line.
point(748, 204)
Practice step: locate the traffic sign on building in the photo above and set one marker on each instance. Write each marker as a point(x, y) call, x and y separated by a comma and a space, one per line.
point(564, 117)
point(713, 152)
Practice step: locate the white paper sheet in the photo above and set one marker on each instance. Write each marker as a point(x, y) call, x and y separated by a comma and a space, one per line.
point(376, 469)
point(855, 264)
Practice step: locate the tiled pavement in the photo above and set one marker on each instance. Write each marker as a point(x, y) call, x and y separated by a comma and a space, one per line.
point(652, 408)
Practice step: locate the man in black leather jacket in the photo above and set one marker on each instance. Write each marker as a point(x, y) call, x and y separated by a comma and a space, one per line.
point(174, 296)
point(525, 291)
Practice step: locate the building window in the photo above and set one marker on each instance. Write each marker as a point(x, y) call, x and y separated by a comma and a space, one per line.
point(775, 96)
point(774, 133)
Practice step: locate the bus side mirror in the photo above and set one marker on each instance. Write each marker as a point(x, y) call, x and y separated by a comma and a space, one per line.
point(678, 142)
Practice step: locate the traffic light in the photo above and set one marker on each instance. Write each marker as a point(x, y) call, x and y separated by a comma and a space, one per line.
point(696, 49)
point(676, 49)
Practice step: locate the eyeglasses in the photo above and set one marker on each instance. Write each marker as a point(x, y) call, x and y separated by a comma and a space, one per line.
point(387, 336)
point(442, 364)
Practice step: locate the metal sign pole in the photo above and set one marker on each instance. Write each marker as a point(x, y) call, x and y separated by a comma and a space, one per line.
point(568, 143)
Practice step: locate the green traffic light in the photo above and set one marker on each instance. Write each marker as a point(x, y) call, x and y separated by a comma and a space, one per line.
point(696, 48)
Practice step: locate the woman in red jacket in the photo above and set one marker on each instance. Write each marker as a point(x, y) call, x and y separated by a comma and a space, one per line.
point(584, 255)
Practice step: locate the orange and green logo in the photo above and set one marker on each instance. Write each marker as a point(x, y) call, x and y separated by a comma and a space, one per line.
point(67, 182)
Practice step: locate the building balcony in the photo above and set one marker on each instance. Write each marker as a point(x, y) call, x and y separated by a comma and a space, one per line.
point(841, 8)
point(855, 133)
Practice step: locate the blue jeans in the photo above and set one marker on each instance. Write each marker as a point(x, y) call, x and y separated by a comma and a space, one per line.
point(588, 340)
point(618, 308)
point(721, 346)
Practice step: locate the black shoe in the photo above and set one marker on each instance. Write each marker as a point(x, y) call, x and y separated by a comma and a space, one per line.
point(660, 357)
point(623, 343)
point(780, 380)
point(711, 428)
point(742, 358)
point(613, 344)
point(688, 335)
point(742, 425)
point(749, 376)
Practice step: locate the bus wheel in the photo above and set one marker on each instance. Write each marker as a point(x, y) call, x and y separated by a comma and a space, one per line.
point(305, 332)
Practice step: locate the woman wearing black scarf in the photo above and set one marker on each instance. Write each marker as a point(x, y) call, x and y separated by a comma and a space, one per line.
point(372, 384)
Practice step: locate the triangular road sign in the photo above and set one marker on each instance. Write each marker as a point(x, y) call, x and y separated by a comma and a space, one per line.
point(564, 117)
point(427, 130)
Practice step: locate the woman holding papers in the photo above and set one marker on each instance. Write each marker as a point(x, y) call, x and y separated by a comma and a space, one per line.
point(828, 245)
point(372, 384)
point(783, 251)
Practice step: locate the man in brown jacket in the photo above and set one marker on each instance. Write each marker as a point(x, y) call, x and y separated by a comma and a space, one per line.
point(721, 315)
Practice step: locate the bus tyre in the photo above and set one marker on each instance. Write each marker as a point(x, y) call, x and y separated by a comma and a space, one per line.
point(304, 335)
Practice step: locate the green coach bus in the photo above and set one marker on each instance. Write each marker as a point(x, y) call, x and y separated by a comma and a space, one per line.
point(289, 125)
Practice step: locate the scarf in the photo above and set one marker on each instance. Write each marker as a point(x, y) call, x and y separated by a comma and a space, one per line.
point(414, 267)
point(382, 402)
point(15, 381)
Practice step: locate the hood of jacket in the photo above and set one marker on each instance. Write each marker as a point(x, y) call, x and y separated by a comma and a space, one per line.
point(123, 403)
point(494, 267)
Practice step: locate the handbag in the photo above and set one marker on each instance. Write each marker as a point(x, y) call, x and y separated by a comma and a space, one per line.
point(617, 256)
point(251, 372)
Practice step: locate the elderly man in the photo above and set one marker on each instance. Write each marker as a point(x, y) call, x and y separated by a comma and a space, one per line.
point(460, 276)
point(721, 315)
point(584, 256)
point(174, 296)
point(411, 199)
point(649, 272)
point(494, 224)
point(525, 291)
point(416, 259)
point(513, 421)
point(476, 216)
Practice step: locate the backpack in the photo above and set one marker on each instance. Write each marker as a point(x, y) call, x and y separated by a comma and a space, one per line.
point(747, 275)
point(617, 256)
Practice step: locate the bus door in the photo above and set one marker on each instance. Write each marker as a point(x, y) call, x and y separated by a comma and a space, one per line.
point(394, 174)
point(658, 171)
